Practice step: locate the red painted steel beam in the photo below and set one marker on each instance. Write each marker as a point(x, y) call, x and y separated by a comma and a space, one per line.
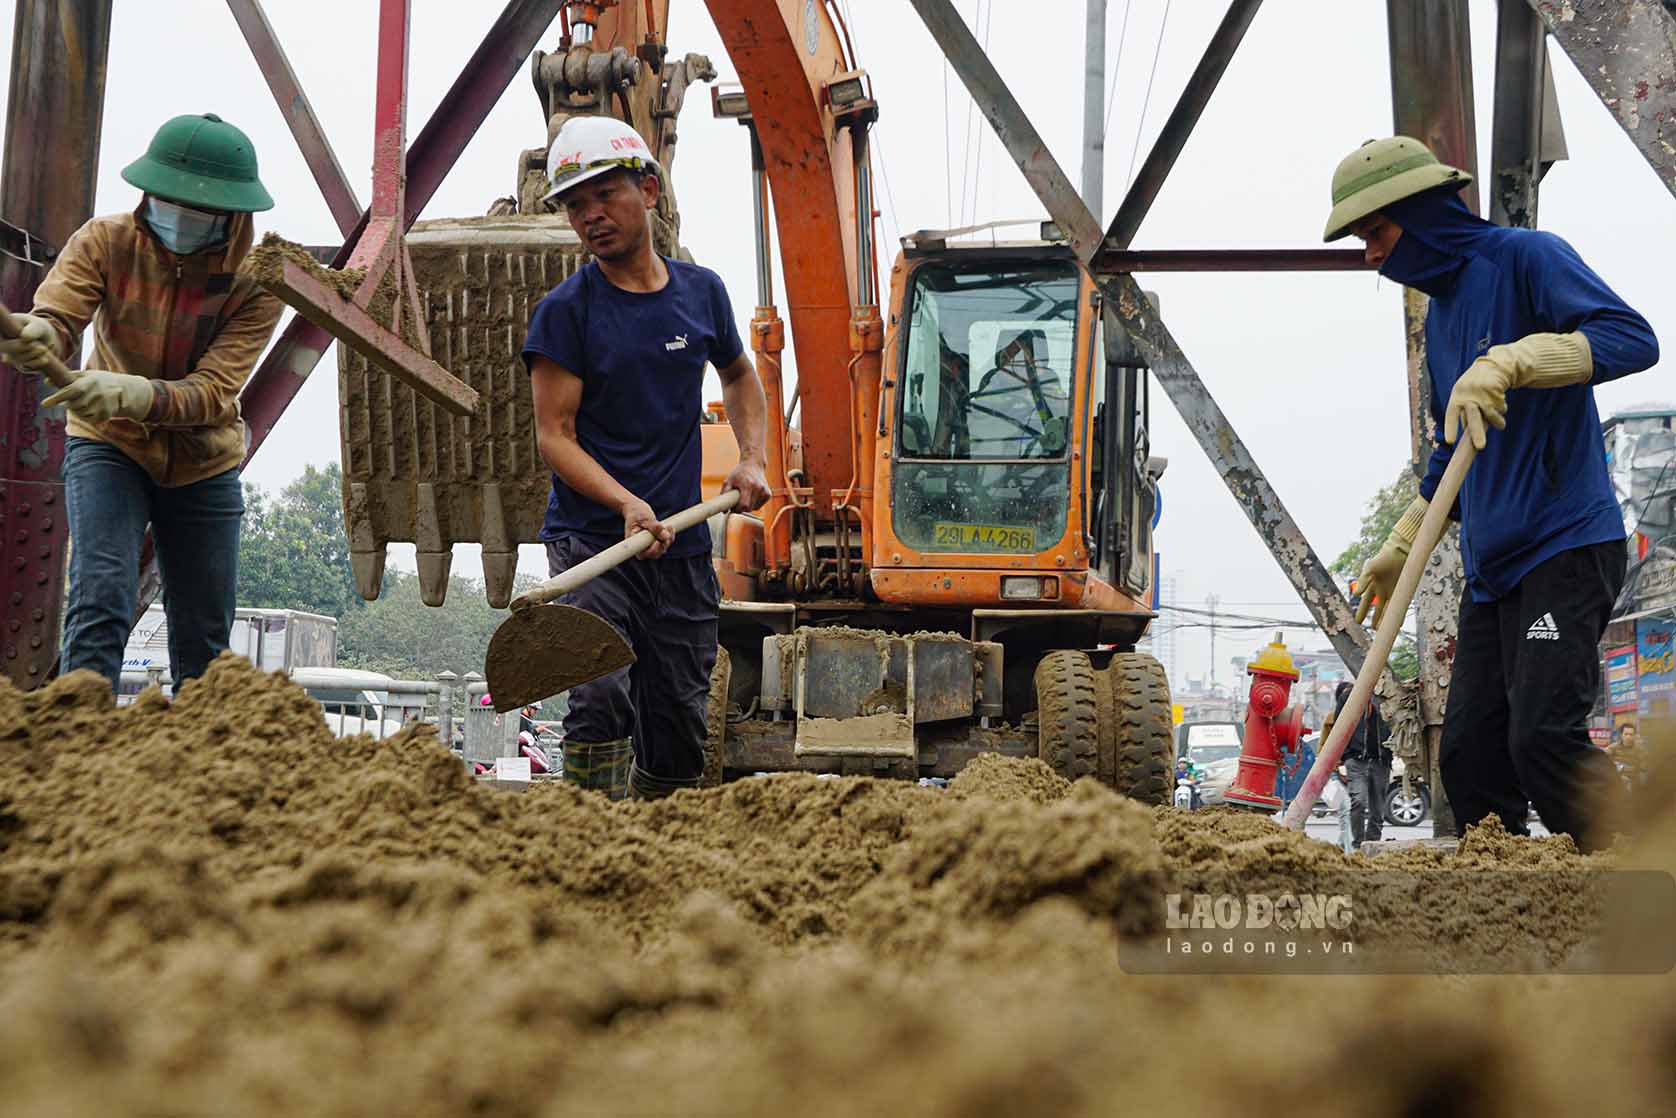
point(501, 56)
point(389, 125)
point(298, 112)
point(53, 119)
point(351, 325)
point(380, 242)
point(1230, 260)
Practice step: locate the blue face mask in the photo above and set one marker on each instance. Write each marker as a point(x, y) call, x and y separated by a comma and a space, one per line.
point(1440, 236)
point(184, 230)
point(1413, 263)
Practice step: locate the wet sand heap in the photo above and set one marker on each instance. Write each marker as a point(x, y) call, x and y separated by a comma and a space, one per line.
point(213, 906)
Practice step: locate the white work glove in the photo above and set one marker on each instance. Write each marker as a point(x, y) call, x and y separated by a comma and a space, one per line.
point(1534, 361)
point(98, 394)
point(1380, 574)
point(35, 342)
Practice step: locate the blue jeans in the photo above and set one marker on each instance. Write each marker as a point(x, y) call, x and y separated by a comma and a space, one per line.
point(110, 499)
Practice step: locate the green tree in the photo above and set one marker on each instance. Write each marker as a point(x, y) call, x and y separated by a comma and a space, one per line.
point(1382, 515)
point(293, 549)
point(401, 636)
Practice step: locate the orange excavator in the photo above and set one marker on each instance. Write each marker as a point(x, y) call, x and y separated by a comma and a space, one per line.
point(957, 554)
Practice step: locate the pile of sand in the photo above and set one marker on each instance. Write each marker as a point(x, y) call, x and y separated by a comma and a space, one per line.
point(213, 906)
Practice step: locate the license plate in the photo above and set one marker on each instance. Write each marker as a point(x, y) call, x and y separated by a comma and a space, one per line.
point(998, 537)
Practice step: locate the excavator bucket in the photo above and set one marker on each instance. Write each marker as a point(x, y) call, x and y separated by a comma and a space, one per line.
point(412, 472)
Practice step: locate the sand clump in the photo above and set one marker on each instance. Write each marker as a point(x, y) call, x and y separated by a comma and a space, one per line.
point(267, 261)
point(213, 906)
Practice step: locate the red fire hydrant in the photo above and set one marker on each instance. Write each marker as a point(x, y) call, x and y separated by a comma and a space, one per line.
point(1270, 727)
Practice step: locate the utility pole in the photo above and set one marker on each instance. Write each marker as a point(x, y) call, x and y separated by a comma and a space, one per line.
point(1093, 108)
point(1211, 602)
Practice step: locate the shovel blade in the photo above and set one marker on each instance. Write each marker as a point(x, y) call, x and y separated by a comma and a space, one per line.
point(538, 652)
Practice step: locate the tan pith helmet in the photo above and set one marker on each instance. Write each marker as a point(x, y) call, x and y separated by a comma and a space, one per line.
point(1381, 172)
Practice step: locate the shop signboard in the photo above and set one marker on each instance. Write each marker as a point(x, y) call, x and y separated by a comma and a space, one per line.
point(1655, 665)
point(1621, 679)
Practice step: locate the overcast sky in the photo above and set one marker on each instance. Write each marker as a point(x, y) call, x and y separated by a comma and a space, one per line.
point(1309, 368)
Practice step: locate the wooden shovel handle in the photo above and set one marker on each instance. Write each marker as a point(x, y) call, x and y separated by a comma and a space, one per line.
point(566, 581)
point(1431, 530)
point(57, 372)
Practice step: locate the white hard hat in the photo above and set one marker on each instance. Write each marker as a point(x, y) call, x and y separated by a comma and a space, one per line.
point(589, 146)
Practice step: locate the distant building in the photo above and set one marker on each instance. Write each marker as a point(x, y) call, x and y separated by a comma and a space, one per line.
point(1160, 639)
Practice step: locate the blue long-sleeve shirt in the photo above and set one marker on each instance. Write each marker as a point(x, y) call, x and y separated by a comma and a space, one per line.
point(1540, 486)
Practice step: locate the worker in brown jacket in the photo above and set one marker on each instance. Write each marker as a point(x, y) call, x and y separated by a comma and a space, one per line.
point(154, 430)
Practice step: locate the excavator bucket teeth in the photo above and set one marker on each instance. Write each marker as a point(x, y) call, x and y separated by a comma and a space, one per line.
point(412, 472)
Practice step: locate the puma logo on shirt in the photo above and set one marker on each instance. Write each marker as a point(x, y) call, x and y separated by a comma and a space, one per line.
point(679, 341)
point(1543, 629)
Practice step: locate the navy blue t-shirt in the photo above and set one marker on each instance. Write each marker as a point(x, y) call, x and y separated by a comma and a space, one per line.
point(641, 359)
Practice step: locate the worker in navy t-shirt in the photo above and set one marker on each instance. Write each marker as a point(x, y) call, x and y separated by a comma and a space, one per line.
point(1518, 330)
point(616, 356)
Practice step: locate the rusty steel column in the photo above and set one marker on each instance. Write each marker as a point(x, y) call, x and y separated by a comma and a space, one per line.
point(53, 118)
point(1516, 120)
point(1626, 51)
point(1431, 99)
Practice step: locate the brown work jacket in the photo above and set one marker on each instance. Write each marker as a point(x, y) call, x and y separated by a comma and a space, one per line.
point(194, 325)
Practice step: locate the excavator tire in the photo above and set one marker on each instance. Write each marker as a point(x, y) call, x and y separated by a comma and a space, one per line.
point(1067, 714)
point(715, 719)
point(1137, 746)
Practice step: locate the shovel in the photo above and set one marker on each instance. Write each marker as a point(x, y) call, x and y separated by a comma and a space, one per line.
point(1431, 530)
point(57, 372)
point(543, 649)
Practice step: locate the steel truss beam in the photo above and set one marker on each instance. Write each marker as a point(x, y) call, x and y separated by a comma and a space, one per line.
point(1230, 260)
point(1626, 51)
point(1175, 374)
point(1525, 134)
point(1182, 120)
point(53, 120)
point(299, 115)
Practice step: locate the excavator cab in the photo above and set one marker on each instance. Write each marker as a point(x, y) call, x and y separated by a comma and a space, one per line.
point(1016, 475)
point(982, 463)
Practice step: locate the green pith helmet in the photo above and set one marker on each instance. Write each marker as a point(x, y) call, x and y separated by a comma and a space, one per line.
point(201, 161)
point(1381, 172)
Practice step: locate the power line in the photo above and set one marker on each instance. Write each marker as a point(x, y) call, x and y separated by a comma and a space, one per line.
point(877, 138)
point(1140, 128)
point(971, 109)
point(948, 177)
point(977, 177)
point(1117, 67)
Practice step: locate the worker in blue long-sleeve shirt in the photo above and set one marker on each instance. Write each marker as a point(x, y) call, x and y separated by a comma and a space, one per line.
point(1518, 331)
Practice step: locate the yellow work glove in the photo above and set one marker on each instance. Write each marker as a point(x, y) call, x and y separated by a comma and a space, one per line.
point(98, 394)
point(36, 340)
point(1380, 574)
point(1534, 361)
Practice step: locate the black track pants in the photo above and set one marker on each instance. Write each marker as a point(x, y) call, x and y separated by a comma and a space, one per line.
point(1527, 670)
point(667, 610)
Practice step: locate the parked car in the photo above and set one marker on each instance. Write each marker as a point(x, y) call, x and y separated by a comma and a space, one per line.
point(1406, 809)
point(1214, 749)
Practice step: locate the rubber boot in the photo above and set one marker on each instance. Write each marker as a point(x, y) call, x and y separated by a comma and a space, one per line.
point(644, 786)
point(600, 766)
